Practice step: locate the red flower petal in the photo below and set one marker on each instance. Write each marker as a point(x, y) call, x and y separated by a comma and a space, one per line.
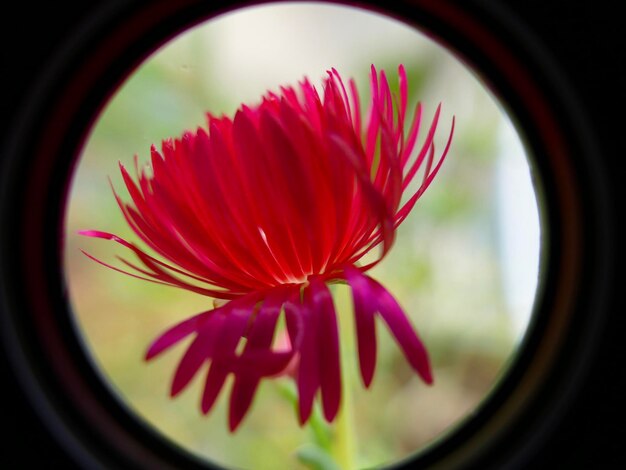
point(308, 379)
point(200, 351)
point(428, 178)
point(156, 266)
point(364, 310)
point(259, 340)
point(327, 347)
point(236, 319)
point(402, 330)
point(176, 334)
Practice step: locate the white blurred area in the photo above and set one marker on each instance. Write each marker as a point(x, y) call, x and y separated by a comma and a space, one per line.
point(262, 47)
point(518, 227)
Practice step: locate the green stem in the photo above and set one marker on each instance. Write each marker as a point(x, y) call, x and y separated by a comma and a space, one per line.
point(343, 448)
point(344, 436)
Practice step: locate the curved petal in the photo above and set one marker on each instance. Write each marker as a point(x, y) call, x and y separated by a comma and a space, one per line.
point(236, 320)
point(175, 334)
point(264, 363)
point(364, 309)
point(402, 330)
point(308, 378)
point(259, 341)
point(156, 266)
point(428, 178)
point(294, 320)
point(198, 352)
point(427, 144)
point(375, 200)
point(328, 348)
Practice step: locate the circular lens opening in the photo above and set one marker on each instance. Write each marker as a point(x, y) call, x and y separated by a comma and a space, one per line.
point(464, 265)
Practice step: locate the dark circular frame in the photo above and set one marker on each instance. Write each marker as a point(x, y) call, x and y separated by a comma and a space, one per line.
point(48, 359)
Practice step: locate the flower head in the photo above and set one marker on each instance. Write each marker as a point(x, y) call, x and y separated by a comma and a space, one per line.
point(264, 211)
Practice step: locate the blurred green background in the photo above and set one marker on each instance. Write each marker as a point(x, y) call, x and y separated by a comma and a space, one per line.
point(464, 266)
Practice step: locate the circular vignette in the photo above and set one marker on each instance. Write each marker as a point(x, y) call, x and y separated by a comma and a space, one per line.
point(95, 429)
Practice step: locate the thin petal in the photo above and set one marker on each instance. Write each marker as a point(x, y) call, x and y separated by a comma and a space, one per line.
point(155, 265)
point(241, 397)
point(199, 352)
point(425, 147)
point(308, 379)
point(263, 363)
point(295, 321)
point(364, 310)
point(403, 85)
point(406, 208)
point(213, 385)
point(328, 348)
point(175, 334)
point(403, 331)
point(259, 340)
point(235, 322)
point(376, 203)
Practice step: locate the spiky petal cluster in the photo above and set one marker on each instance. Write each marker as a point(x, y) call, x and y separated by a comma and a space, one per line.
point(264, 211)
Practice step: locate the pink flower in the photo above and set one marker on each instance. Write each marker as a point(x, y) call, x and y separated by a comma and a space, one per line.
point(265, 211)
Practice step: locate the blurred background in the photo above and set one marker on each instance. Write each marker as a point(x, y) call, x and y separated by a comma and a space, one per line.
point(464, 267)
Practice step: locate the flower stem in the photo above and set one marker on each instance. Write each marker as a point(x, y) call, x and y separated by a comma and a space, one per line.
point(343, 447)
point(344, 437)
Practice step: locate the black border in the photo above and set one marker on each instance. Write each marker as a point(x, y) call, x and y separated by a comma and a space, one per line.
point(571, 359)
